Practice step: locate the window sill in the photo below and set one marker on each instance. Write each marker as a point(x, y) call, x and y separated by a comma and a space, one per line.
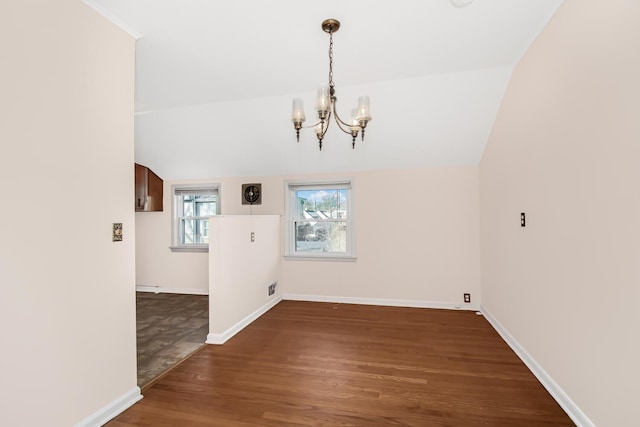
point(320, 258)
point(193, 248)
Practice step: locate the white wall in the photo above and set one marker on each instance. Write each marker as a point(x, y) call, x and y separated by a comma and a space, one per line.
point(417, 237)
point(67, 311)
point(565, 150)
point(241, 271)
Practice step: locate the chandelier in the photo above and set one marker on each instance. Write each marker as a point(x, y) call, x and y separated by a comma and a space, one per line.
point(326, 103)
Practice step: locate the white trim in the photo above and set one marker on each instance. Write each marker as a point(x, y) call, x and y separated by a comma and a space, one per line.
point(345, 183)
point(229, 333)
point(165, 290)
point(565, 402)
point(112, 410)
point(189, 248)
point(113, 18)
point(320, 258)
point(381, 301)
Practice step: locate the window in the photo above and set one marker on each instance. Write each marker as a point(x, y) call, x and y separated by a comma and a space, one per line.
point(192, 207)
point(319, 220)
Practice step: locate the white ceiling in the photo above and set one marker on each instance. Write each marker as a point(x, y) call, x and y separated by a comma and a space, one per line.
point(215, 79)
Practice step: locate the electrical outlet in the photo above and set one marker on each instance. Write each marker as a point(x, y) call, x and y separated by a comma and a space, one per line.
point(523, 220)
point(272, 288)
point(467, 298)
point(116, 232)
point(253, 236)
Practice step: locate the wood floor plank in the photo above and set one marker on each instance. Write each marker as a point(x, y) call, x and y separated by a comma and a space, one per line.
point(318, 364)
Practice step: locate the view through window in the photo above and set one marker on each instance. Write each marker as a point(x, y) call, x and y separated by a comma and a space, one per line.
point(319, 219)
point(192, 209)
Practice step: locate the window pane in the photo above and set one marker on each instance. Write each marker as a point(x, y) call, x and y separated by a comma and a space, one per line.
point(187, 205)
point(202, 234)
point(194, 231)
point(205, 205)
point(187, 231)
point(321, 236)
point(321, 204)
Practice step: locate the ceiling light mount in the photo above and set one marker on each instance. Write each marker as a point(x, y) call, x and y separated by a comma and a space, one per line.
point(326, 103)
point(330, 25)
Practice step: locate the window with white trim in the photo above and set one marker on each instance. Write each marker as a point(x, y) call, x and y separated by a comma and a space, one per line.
point(319, 220)
point(192, 207)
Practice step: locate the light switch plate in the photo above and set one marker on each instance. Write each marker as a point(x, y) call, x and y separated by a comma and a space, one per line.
point(117, 232)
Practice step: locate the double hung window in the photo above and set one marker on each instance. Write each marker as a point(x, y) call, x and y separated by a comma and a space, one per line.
point(319, 220)
point(192, 207)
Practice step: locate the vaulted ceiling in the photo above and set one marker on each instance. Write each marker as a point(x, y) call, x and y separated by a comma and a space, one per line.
point(215, 80)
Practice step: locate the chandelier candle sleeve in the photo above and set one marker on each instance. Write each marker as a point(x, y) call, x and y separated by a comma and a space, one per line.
point(363, 109)
point(323, 101)
point(326, 103)
point(355, 125)
point(297, 114)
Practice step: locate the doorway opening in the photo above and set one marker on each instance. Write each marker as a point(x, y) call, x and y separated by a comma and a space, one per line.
point(169, 328)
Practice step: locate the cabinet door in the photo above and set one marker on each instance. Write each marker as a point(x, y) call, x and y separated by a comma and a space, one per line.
point(154, 192)
point(149, 190)
point(141, 188)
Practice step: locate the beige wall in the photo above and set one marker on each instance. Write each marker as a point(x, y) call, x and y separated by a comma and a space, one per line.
point(417, 234)
point(565, 150)
point(417, 237)
point(157, 265)
point(241, 271)
point(67, 310)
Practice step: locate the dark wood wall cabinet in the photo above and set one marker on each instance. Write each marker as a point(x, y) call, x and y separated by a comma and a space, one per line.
point(148, 190)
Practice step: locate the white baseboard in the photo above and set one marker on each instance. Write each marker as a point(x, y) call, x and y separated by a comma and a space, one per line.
point(166, 290)
point(381, 301)
point(569, 406)
point(112, 410)
point(229, 333)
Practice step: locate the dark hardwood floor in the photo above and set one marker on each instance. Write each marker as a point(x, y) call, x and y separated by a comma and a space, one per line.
point(317, 364)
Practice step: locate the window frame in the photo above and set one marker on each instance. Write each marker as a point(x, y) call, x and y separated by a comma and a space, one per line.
point(176, 245)
point(290, 188)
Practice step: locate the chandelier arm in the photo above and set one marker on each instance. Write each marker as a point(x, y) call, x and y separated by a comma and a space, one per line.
point(338, 119)
point(326, 126)
point(340, 123)
point(317, 123)
point(311, 126)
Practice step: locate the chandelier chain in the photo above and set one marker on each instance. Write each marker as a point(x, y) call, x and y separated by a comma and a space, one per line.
point(331, 85)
